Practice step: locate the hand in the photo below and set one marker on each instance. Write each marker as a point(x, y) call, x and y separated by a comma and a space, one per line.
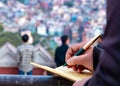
point(86, 59)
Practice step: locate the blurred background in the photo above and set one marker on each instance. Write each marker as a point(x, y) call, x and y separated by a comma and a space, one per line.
point(47, 21)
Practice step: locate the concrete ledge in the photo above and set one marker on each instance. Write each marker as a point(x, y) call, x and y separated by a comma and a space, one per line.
point(33, 80)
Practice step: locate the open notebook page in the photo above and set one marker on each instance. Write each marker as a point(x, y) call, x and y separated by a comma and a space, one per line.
point(65, 72)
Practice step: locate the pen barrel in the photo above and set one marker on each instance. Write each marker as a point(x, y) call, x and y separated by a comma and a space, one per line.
point(86, 46)
point(65, 64)
point(81, 51)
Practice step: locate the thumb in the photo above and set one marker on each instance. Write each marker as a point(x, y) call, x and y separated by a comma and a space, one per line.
point(76, 60)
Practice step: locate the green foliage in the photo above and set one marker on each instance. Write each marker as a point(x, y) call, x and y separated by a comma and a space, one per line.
point(22, 1)
point(52, 47)
point(36, 38)
point(13, 38)
point(69, 3)
point(47, 42)
point(1, 28)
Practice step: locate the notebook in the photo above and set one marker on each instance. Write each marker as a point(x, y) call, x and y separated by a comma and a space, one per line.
point(65, 72)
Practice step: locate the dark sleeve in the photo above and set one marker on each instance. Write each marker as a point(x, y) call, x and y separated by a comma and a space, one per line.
point(107, 72)
point(96, 53)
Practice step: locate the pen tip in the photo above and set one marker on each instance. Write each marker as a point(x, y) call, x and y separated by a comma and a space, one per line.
point(65, 65)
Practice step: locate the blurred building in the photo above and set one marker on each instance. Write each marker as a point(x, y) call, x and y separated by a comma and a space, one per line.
point(79, 19)
point(8, 61)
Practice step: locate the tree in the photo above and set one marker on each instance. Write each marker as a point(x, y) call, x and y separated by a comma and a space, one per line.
point(47, 42)
point(13, 38)
point(69, 3)
point(1, 28)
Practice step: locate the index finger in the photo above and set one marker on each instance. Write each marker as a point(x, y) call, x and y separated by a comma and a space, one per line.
point(72, 50)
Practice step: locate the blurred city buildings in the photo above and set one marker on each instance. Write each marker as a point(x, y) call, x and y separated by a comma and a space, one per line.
point(76, 18)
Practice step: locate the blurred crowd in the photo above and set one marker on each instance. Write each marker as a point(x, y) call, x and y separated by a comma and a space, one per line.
point(79, 19)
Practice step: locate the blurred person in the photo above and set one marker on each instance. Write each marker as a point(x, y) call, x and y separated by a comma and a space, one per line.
point(25, 54)
point(61, 51)
point(104, 62)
